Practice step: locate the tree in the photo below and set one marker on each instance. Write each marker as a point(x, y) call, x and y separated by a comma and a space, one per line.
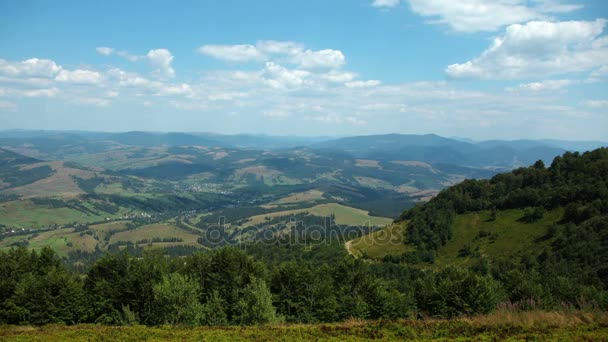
point(176, 300)
point(256, 304)
point(56, 297)
point(213, 310)
point(226, 270)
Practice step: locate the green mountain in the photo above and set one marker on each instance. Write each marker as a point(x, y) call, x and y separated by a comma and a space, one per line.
point(552, 220)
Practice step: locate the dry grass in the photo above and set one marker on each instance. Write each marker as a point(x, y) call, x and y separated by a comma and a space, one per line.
point(61, 183)
point(367, 163)
point(306, 196)
point(157, 230)
point(512, 326)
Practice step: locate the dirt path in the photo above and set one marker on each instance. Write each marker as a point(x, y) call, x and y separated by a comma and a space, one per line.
point(348, 246)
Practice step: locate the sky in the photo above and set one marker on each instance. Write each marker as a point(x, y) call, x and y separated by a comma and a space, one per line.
point(501, 69)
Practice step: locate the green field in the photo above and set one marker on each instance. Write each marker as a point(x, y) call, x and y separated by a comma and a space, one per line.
point(507, 235)
point(155, 231)
point(26, 214)
point(511, 326)
point(387, 241)
point(344, 215)
point(504, 237)
point(62, 241)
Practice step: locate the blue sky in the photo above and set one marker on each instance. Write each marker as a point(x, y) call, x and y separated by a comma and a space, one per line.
point(473, 68)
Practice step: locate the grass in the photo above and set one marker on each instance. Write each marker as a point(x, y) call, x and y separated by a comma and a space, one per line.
point(512, 326)
point(504, 237)
point(60, 183)
point(387, 241)
point(158, 230)
point(26, 214)
point(344, 215)
point(507, 235)
point(104, 229)
point(306, 196)
point(373, 183)
point(63, 241)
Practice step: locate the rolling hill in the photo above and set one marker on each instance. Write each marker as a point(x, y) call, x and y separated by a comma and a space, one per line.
point(554, 217)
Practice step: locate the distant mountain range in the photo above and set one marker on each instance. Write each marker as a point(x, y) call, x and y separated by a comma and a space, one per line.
point(429, 148)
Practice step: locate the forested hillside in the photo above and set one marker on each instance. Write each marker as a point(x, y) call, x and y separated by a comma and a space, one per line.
point(278, 278)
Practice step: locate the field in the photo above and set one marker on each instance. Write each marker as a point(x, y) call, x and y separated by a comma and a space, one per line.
point(344, 215)
point(159, 231)
point(503, 237)
point(512, 326)
point(388, 241)
point(25, 214)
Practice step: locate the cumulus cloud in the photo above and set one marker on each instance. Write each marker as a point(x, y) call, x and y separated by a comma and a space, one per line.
point(232, 53)
point(49, 92)
point(322, 59)
point(79, 76)
point(486, 15)
point(598, 74)
point(362, 84)
point(539, 48)
point(546, 85)
point(108, 51)
point(289, 52)
point(596, 103)
point(280, 77)
point(161, 60)
point(338, 76)
point(104, 50)
point(385, 3)
point(135, 81)
point(32, 67)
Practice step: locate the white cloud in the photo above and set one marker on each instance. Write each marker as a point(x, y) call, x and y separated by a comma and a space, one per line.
point(112, 93)
point(48, 92)
point(161, 60)
point(175, 89)
point(32, 67)
point(277, 51)
point(598, 74)
point(362, 84)
point(322, 59)
point(79, 76)
point(546, 85)
point(280, 77)
point(596, 103)
point(104, 50)
point(338, 76)
point(108, 51)
point(279, 47)
point(486, 15)
point(539, 48)
point(385, 3)
point(232, 53)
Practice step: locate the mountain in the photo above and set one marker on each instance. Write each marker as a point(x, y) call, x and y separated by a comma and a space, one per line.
point(432, 148)
point(554, 217)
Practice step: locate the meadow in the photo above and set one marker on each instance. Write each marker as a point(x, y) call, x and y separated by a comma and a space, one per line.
point(502, 325)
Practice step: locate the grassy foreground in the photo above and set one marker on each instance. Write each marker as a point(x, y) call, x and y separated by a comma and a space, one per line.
point(503, 325)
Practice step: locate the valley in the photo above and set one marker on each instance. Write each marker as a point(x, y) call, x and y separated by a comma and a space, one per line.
point(58, 188)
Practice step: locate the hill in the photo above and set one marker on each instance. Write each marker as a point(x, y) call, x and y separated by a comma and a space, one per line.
point(551, 219)
point(432, 148)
